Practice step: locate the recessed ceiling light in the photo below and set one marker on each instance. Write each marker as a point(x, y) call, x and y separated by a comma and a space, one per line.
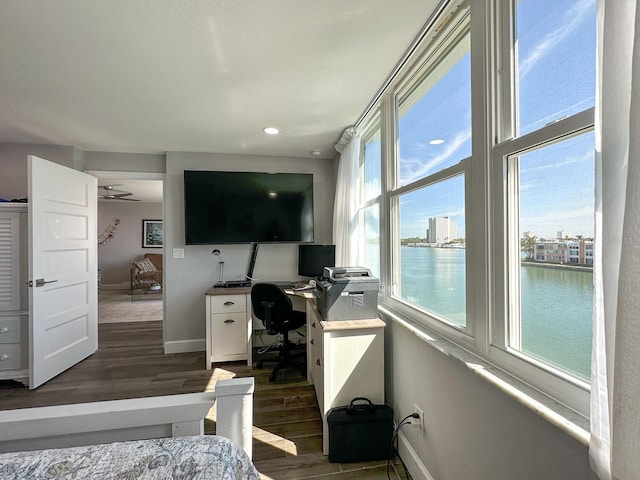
point(437, 141)
point(271, 130)
point(273, 194)
point(316, 153)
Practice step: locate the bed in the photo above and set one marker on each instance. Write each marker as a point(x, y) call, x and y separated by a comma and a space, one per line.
point(184, 458)
point(143, 438)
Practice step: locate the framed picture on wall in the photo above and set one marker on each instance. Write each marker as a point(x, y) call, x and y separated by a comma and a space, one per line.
point(152, 234)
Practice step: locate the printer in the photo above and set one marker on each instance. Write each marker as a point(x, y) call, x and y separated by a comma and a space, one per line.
point(347, 293)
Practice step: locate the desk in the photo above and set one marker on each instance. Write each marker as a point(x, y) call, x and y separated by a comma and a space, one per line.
point(345, 359)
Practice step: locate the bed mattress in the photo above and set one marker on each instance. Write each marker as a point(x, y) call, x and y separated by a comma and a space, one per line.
point(184, 458)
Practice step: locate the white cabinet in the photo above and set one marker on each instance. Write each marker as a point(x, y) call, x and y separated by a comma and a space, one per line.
point(14, 302)
point(345, 360)
point(228, 317)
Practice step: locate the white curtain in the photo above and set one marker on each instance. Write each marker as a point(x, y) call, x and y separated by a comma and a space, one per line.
point(344, 209)
point(615, 371)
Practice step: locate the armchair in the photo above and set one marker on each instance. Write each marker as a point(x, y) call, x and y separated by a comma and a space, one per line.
point(146, 272)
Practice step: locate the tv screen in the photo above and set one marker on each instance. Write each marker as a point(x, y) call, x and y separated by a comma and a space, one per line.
point(247, 207)
point(313, 258)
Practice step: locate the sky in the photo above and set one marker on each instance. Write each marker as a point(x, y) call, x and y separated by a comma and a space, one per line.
point(556, 65)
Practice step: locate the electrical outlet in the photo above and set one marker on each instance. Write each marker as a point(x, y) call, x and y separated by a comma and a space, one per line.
point(418, 422)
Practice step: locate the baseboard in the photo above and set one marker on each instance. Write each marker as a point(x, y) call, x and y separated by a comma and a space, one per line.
point(185, 346)
point(410, 458)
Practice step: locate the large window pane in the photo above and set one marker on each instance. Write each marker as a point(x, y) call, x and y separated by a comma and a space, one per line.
point(431, 272)
point(556, 218)
point(434, 127)
point(555, 64)
point(371, 166)
point(371, 248)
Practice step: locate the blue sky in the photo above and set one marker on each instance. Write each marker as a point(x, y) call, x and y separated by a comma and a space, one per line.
point(556, 58)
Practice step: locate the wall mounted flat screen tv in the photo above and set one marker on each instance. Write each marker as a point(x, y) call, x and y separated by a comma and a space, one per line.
point(247, 207)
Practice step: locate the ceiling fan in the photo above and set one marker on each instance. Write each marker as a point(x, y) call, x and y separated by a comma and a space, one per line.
point(110, 193)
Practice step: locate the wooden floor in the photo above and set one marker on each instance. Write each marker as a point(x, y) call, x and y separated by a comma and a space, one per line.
point(130, 363)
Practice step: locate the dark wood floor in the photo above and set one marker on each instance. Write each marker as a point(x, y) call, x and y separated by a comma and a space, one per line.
point(130, 363)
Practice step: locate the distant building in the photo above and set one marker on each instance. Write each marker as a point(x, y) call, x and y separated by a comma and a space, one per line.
point(441, 230)
point(575, 252)
point(562, 234)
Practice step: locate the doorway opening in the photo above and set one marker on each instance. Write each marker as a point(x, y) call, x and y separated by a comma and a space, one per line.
point(131, 247)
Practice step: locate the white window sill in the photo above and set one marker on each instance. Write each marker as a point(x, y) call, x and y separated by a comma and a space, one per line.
point(572, 423)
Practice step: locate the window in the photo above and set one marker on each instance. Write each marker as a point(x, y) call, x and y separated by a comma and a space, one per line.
point(428, 203)
point(432, 261)
point(370, 164)
point(370, 189)
point(434, 115)
point(555, 60)
point(553, 323)
point(487, 238)
point(544, 328)
point(370, 217)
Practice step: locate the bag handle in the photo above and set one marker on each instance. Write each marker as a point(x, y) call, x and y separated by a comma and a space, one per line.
point(354, 408)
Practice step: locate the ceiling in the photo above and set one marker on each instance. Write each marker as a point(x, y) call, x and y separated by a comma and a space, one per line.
point(151, 76)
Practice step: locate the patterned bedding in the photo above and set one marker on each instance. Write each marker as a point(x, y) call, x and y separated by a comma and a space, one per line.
point(183, 458)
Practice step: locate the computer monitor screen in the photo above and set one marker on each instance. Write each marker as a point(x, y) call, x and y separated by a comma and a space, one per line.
point(313, 258)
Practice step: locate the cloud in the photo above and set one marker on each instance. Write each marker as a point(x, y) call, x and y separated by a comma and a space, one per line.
point(575, 16)
point(528, 186)
point(556, 115)
point(414, 168)
point(587, 156)
point(578, 222)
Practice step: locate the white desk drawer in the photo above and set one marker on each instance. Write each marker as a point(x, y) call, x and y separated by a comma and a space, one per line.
point(10, 356)
point(10, 329)
point(229, 333)
point(228, 303)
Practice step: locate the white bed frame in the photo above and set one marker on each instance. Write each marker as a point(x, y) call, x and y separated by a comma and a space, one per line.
point(135, 419)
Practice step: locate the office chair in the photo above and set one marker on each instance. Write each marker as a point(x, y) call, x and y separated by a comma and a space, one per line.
point(273, 306)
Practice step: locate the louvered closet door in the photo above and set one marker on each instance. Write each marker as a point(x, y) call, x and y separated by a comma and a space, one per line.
point(9, 261)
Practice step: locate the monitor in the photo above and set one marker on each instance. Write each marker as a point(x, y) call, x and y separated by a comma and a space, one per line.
point(313, 258)
point(247, 207)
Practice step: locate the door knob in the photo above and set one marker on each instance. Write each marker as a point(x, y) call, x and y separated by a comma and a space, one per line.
point(40, 282)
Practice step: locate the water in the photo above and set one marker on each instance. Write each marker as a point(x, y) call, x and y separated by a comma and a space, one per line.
point(556, 303)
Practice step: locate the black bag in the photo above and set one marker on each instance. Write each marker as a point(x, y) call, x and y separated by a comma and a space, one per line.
point(360, 432)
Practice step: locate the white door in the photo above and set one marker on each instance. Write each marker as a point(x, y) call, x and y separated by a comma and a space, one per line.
point(63, 293)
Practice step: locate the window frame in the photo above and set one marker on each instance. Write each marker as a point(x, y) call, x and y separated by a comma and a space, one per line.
point(489, 187)
point(464, 335)
point(559, 384)
point(458, 26)
point(371, 127)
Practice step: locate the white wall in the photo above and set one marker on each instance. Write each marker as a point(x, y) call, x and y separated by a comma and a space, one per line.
point(13, 164)
point(114, 258)
point(187, 279)
point(123, 162)
point(472, 429)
